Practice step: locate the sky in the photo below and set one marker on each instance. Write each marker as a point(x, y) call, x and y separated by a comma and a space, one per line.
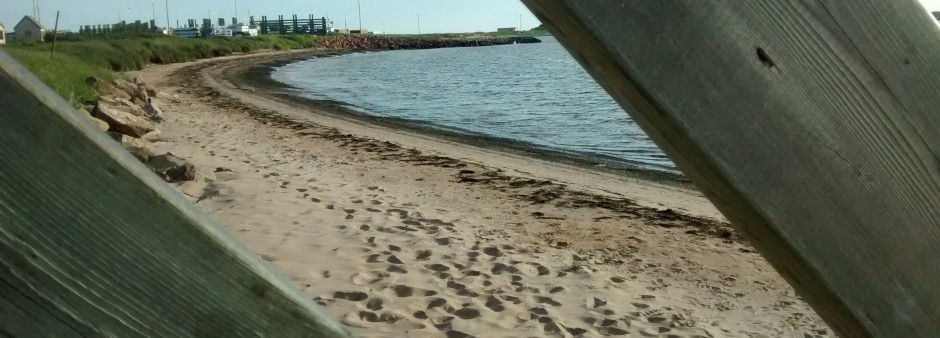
point(390, 16)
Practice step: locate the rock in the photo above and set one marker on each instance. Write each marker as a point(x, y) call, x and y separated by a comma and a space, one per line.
point(138, 81)
point(153, 136)
point(171, 98)
point(101, 124)
point(140, 94)
point(151, 90)
point(133, 109)
point(153, 111)
point(109, 90)
point(122, 122)
point(125, 102)
point(205, 175)
point(172, 169)
point(137, 147)
point(127, 87)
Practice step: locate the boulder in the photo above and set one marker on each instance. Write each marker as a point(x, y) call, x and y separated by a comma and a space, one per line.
point(138, 81)
point(153, 136)
point(151, 90)
point(126, 102)
point(140, 94)
point(125, 86)
point(101, 124)
point(132, 109)
point(121, 122)
point(106, 89)
point(172, 169)
point(137, 147)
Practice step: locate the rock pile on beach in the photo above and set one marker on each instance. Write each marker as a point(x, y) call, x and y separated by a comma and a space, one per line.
point(392, 43)
point(128, 112)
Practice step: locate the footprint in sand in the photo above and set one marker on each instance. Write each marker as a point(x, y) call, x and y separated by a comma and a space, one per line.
point(351, 296)
point(408, 291)
point(494, 304)
point(467, 313)
point(401, 213)
point(369, 277)
point(396, 269)
point(438, 267)
point(423, 255)
point(374, 304)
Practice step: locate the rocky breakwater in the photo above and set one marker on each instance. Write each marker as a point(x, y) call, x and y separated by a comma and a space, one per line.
point(129, 112)
point(392, 43)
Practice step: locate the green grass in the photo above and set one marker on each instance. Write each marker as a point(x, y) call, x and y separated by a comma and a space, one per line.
point(77, 60)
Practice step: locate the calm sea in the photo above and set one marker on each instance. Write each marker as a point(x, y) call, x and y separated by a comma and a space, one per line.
point(532, 93)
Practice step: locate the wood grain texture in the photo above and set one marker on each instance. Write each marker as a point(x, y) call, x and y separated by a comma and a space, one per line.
point(93, 244)
point(812, 125)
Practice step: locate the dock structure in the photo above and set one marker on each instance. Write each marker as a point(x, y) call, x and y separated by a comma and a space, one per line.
point(292, 25)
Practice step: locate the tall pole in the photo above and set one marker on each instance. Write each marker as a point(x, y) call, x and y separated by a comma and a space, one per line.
point(360, 15)
point(419, 23)
point(55, 34)
point(520, 22)
point(167, 4)
point(153, 8)
point(38, 12)
point(236, 13)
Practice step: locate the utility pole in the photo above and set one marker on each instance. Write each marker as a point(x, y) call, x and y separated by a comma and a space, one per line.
point(153, 8)
point(360, 15)
point(236, 13)
point(167, 4)
point(419, 23)
point(520, 22)
point(55, 34)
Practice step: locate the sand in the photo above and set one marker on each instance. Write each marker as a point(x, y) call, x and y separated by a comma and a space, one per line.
point(401, 233)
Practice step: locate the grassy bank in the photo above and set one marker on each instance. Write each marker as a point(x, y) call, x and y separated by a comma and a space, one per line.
point(75, 61)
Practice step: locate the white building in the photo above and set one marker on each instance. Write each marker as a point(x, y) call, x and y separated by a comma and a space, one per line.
point(3, 35)
point(186, 32)
point(30, 29)
point(243, 29)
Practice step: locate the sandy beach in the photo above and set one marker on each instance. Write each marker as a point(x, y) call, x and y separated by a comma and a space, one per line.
point(401, 231)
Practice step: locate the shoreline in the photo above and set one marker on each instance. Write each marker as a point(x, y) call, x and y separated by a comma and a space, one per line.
point(258, 76)
point(402, 233)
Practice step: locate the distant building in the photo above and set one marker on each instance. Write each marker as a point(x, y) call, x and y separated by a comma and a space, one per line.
point(29, 30)
point(187, 32)
point(507, 29)
point(3, 35)
point(244, 30)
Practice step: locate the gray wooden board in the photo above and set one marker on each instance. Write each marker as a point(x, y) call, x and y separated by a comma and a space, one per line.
point(812, 125)
point(93, 244)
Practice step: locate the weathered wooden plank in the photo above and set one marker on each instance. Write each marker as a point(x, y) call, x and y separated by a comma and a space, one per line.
point(812, 125)
point(93, 244)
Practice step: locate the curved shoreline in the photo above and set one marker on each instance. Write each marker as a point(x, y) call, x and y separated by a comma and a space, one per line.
point(259, 76)
point(330, 199)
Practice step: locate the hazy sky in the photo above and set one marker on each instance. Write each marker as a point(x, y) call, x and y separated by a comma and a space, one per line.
point(392, 16)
